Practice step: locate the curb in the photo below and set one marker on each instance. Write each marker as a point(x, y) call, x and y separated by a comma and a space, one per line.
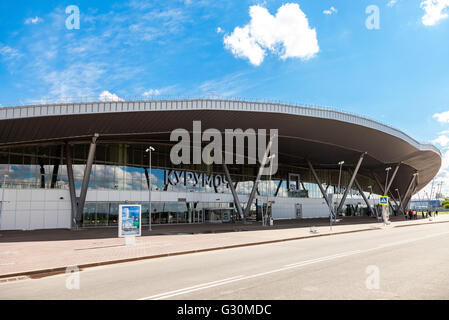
point(37, 274)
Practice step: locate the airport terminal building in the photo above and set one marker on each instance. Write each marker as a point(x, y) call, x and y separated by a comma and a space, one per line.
point(72, 165)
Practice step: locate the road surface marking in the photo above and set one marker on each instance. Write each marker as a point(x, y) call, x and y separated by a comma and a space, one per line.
point(285, 268)
point(190, 289)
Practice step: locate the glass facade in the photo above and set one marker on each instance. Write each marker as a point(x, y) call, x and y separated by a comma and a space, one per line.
point(125, 167)
point(102, 214)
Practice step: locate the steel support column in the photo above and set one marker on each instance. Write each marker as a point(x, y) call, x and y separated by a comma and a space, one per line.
point(147, 177)
point(405, 199)
point(54, 176)
point(356, 170)
point(278, 188)
point(382, 189)
point(256, 183)
point(84, 186)
point(68, 155)
point(392, 179)
point(234, 193)
point(317, 180)
point(363, 196)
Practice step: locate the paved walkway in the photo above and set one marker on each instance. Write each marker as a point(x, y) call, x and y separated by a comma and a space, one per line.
point(34, 251)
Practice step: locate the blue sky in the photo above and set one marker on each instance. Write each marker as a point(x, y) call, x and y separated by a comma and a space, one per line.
point(397, 74)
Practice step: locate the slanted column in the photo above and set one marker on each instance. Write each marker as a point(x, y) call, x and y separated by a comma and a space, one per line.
point(323, 192)
point(383, 190)
point(256, 183)
point(90, 161)
point(405, 199)
point(234, 193)
point(278, 188)
point(363, 196)
point(356, 170)
point(387, 189)
point(68, 155)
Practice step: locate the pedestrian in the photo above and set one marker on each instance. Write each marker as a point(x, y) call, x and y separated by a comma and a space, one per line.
point(410, 214)
point(436, 213)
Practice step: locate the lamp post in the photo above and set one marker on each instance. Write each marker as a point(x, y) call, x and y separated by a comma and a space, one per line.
point(341, 163)
point(270, 158)
point(386, 180)
point(149, 150)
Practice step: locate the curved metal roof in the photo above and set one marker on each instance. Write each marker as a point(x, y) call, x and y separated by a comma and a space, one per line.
point(324, 136)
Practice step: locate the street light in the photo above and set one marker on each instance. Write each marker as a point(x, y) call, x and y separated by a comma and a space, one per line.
point(270, 158)
point(341, 163)
point(149, 150)
point(386, 180)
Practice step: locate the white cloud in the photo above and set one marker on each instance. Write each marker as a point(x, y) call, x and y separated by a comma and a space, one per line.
point(107, 96)
point(442, 140)
point(34, 20)
point(436, 10)
point(151, 92)
point(391, 3)
point(287, 34)
point(219, 30)
point(442, 117)
point(330, 11)
point(9, 53)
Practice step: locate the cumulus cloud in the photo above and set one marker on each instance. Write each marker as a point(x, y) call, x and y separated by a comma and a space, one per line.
point(435, 10)
point(106, 96)
point(442, 117)
point(34, 20)
point(330, 11)
point(219, 30)
point(287, 34)
point(442, 140)
point(151, 92)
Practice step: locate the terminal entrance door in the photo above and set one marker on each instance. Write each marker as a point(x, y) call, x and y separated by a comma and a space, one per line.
point(218, 215)
point(299, 211)
point(198, 216)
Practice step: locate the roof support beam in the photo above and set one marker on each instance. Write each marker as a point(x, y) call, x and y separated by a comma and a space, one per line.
point(323, 192)
point(234, 193)
point(356, 170)
point(147, 177)
point(256, 182)
point(387, 189)
point(382, 189)
point(278, 188)
point(68, 155)
point(54, 176)
point(405, 199)
point(89, 163)
point(363, 195)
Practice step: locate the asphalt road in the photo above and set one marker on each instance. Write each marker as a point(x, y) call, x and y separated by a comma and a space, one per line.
point(394, 263)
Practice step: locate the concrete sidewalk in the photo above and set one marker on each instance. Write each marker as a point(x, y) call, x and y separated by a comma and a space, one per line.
point(38, 253)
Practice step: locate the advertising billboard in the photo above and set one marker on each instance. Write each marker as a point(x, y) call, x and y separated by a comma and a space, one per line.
point(130, 220)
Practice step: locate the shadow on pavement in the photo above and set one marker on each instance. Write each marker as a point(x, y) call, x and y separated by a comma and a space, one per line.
point(111, 232)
